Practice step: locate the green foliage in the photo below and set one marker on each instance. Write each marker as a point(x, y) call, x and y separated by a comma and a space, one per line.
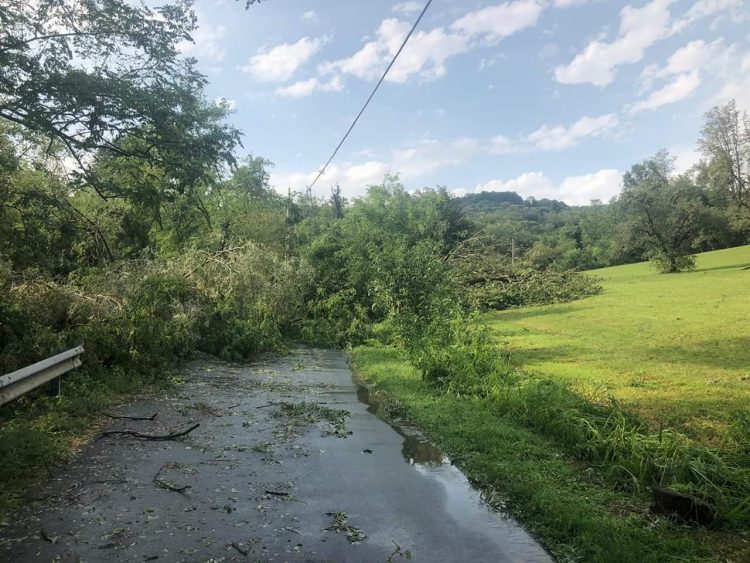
point(460, 357)
point(106, 77)
point(664, 215)
point(725, 142)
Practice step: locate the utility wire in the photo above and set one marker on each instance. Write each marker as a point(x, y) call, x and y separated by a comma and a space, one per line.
point(364, 107)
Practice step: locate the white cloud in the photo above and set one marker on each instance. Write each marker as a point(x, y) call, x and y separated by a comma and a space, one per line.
point(307, 87)
point(681, 87)
point(707, 8)
point(736, 87)
point(279, 63)
point(424, 55)
point(353, 178)
point(580, 190)
point(573, 190)
point(569, 3)
point(685, 158)
point(407, 7)
point(639, 29)
point(684, 69)
point(560, 137)
point(310, 16)
point(503, 145)
point(527, 184)
point(494, 23)
point(430, 155)
point(207, 43)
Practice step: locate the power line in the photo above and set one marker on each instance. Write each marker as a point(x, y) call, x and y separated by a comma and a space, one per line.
point(364, 107)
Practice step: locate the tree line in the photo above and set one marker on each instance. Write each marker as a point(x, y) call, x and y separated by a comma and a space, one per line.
point(659, 215)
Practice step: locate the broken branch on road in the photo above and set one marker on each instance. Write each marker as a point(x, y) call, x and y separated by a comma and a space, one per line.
point(124, 417)
point(148, 436)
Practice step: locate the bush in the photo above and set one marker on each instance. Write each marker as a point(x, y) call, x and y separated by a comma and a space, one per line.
point(456, 354)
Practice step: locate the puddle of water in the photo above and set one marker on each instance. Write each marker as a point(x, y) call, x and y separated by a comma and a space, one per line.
point(416, 450)
point(463, 501)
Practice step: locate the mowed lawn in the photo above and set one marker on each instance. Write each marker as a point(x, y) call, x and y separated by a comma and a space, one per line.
point(674, 348)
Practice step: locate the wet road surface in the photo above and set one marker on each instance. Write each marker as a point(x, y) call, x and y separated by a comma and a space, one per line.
point(291, 462)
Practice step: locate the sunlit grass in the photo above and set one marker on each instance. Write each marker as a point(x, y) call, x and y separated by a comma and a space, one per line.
point(674, 348)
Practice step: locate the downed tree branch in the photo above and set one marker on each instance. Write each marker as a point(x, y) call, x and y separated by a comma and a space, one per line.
point(169, 486)
point(149, 436)
point(47, 537)
point(270, 405)
point(124, 417)
point(236, 546)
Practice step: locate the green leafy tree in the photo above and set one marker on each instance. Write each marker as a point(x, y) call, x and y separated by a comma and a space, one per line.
point(725, 142)
point(664, 215)
point(105, 77)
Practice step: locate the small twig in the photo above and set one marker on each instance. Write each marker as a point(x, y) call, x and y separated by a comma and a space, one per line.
point(47, 537)
point(149, 436)
point(170, 487)
point(244, 552)
point(270, 405)
point(104, 481)
point(277, 494)
point(152, 417)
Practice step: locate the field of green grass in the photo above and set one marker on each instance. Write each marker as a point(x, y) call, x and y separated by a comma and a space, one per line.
point(673, 348)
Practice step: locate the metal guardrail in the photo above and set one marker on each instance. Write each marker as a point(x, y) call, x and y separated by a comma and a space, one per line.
point(19, 382)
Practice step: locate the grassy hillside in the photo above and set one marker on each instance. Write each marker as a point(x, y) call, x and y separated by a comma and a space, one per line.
point(673, 348)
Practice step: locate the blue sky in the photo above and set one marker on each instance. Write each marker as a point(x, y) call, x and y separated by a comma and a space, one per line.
point(549, 98)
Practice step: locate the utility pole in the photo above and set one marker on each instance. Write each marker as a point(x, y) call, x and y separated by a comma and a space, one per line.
point(512, 250)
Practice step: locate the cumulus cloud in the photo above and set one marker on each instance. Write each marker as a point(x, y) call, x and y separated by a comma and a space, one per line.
point(569, 3)
point(640, 28)
point(426, 53)
point(707, 8)
point(310, 16)
point(683, 70)
point(424, 56)
point(354, 179)
point(573, 190)
point(736, 87)
point(681, 87)
point(560, 137)
point(407, 7)
point(494, 23)
point(279, 63)
point(306, 87)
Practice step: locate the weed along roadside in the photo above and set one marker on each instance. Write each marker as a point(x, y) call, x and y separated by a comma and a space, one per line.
point(278, 460)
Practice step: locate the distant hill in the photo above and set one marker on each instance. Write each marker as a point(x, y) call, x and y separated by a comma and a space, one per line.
point(490, 201)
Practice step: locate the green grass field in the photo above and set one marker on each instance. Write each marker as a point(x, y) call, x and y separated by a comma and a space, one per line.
point(673, 348)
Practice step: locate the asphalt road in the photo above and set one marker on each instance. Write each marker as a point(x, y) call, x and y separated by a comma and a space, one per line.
point(291, 462)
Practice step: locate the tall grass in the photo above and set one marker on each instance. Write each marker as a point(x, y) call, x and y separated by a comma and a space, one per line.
point(464, 361)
